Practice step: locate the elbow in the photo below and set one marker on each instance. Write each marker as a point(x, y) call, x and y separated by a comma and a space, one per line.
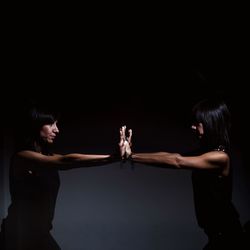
point(178, 161)
point(70, 158)
point(67, 159)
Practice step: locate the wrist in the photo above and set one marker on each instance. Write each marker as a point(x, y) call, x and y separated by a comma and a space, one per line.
point(130, 156)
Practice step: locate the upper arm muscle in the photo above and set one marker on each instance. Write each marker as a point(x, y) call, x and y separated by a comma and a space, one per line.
point(40, 158)
point(210, 160)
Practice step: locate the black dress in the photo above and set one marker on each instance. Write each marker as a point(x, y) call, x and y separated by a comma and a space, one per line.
point(33, 198)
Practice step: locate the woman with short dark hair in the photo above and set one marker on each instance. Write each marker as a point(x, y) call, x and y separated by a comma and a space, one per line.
point(34, 183)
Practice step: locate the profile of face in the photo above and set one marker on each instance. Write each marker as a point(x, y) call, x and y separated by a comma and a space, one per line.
point(199, 130)
point(49, 132)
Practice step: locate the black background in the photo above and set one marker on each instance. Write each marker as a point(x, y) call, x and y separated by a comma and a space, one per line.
point(146, 76)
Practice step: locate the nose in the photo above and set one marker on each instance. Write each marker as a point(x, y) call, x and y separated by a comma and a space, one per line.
point(55, 130)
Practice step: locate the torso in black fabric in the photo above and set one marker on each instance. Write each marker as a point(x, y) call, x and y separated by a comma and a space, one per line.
point(212, 198)
point(33, 192)
point(214, 209)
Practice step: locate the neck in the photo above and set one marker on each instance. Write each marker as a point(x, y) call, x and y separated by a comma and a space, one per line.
point(38, 147)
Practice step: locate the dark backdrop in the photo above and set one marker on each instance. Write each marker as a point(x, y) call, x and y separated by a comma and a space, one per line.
point(98, 89)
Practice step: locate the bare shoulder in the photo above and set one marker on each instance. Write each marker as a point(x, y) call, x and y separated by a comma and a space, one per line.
point(219, 159)
point(28, 154)
point(38, 157)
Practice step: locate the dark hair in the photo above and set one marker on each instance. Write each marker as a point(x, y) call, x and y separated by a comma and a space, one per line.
point(216, 119)
point(39, 116)
point(33, 120)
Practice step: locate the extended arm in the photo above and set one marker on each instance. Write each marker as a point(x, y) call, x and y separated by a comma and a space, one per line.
point(65, 161)
point(209, 160)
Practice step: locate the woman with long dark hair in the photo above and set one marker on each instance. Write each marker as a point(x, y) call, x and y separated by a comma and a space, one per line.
point(211, 173)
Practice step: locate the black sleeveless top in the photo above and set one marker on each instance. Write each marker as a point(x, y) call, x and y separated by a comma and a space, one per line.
point(33, 196)
point(213, 200)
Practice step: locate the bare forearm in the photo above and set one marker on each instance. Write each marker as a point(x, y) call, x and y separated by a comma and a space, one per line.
point(66, 160)
point(82, 158)
point(75, 160)
point(163, 158)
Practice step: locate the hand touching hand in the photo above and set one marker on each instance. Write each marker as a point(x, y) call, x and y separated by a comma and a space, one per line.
point(125, 143)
